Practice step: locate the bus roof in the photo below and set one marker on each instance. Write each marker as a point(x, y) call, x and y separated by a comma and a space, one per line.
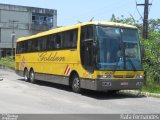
point(61, 29)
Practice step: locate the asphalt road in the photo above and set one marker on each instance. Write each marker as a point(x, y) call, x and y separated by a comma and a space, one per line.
point(18, 96)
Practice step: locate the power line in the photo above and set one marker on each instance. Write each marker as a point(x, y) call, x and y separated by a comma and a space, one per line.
point(150, 6)
point(138, 11)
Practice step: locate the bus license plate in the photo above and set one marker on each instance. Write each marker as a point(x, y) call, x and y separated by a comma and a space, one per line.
point(124, 83)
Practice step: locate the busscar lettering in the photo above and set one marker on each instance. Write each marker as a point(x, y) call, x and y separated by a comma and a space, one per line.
point(50, 57)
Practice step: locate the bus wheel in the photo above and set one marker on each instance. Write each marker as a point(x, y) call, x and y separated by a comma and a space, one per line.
point(76, 84)
point(26, 75)
point(32, 76)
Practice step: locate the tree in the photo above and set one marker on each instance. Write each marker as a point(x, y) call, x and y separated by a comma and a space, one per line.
point(129, 20)
point(154, 24)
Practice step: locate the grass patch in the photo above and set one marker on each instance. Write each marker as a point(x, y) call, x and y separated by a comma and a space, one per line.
point(8, 62)
point(152, 88)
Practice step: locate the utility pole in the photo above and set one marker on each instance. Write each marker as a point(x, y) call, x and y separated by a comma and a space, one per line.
point(145, 18)
point(13, 37)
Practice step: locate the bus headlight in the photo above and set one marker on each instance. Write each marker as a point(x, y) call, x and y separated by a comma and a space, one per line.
point(139, 76)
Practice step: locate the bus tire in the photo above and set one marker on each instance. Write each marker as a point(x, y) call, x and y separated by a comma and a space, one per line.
point(26, 78)
point(76, 84)
point(32, 76)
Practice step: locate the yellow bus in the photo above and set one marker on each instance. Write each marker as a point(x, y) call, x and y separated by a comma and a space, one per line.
point(100, 56)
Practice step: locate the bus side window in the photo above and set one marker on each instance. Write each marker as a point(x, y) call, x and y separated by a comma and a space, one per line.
point(25, 46)
point(66, 39)
point(39, 44)
point(70, 39)
point(51, 39)
point(58, 41)
point(44, 43)
point(29, 45)
point(19, 48)
point(33, 45)
point(87, 32)
point(62, 39)
point(73, 38)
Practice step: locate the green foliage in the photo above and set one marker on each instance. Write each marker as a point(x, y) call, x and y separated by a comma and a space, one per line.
point(152, 88)
point(8, 62)
point(152, 57)
point(129, 20)
point(154, 25)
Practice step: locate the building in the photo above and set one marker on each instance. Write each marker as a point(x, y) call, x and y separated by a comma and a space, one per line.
point(19, 21)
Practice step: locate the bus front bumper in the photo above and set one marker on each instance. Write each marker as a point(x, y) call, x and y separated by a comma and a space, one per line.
point(107, 85)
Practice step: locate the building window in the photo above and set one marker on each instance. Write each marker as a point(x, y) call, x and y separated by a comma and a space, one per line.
point(42, 19)
point(35, 19)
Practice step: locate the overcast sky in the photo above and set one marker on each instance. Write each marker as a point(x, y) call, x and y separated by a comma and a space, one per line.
point(71, 11)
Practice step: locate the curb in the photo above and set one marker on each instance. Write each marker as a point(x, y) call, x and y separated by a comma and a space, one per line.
point(136, 92)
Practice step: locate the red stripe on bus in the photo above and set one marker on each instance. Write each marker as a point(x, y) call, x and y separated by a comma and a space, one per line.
point(66, 70)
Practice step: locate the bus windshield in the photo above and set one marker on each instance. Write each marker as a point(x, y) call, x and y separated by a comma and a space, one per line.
point(118, 48)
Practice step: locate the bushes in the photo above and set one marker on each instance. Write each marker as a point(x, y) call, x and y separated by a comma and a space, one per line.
point(8, 62)
point(151, 60)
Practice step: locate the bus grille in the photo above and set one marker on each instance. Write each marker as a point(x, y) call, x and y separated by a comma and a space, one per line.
point(123, 76)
